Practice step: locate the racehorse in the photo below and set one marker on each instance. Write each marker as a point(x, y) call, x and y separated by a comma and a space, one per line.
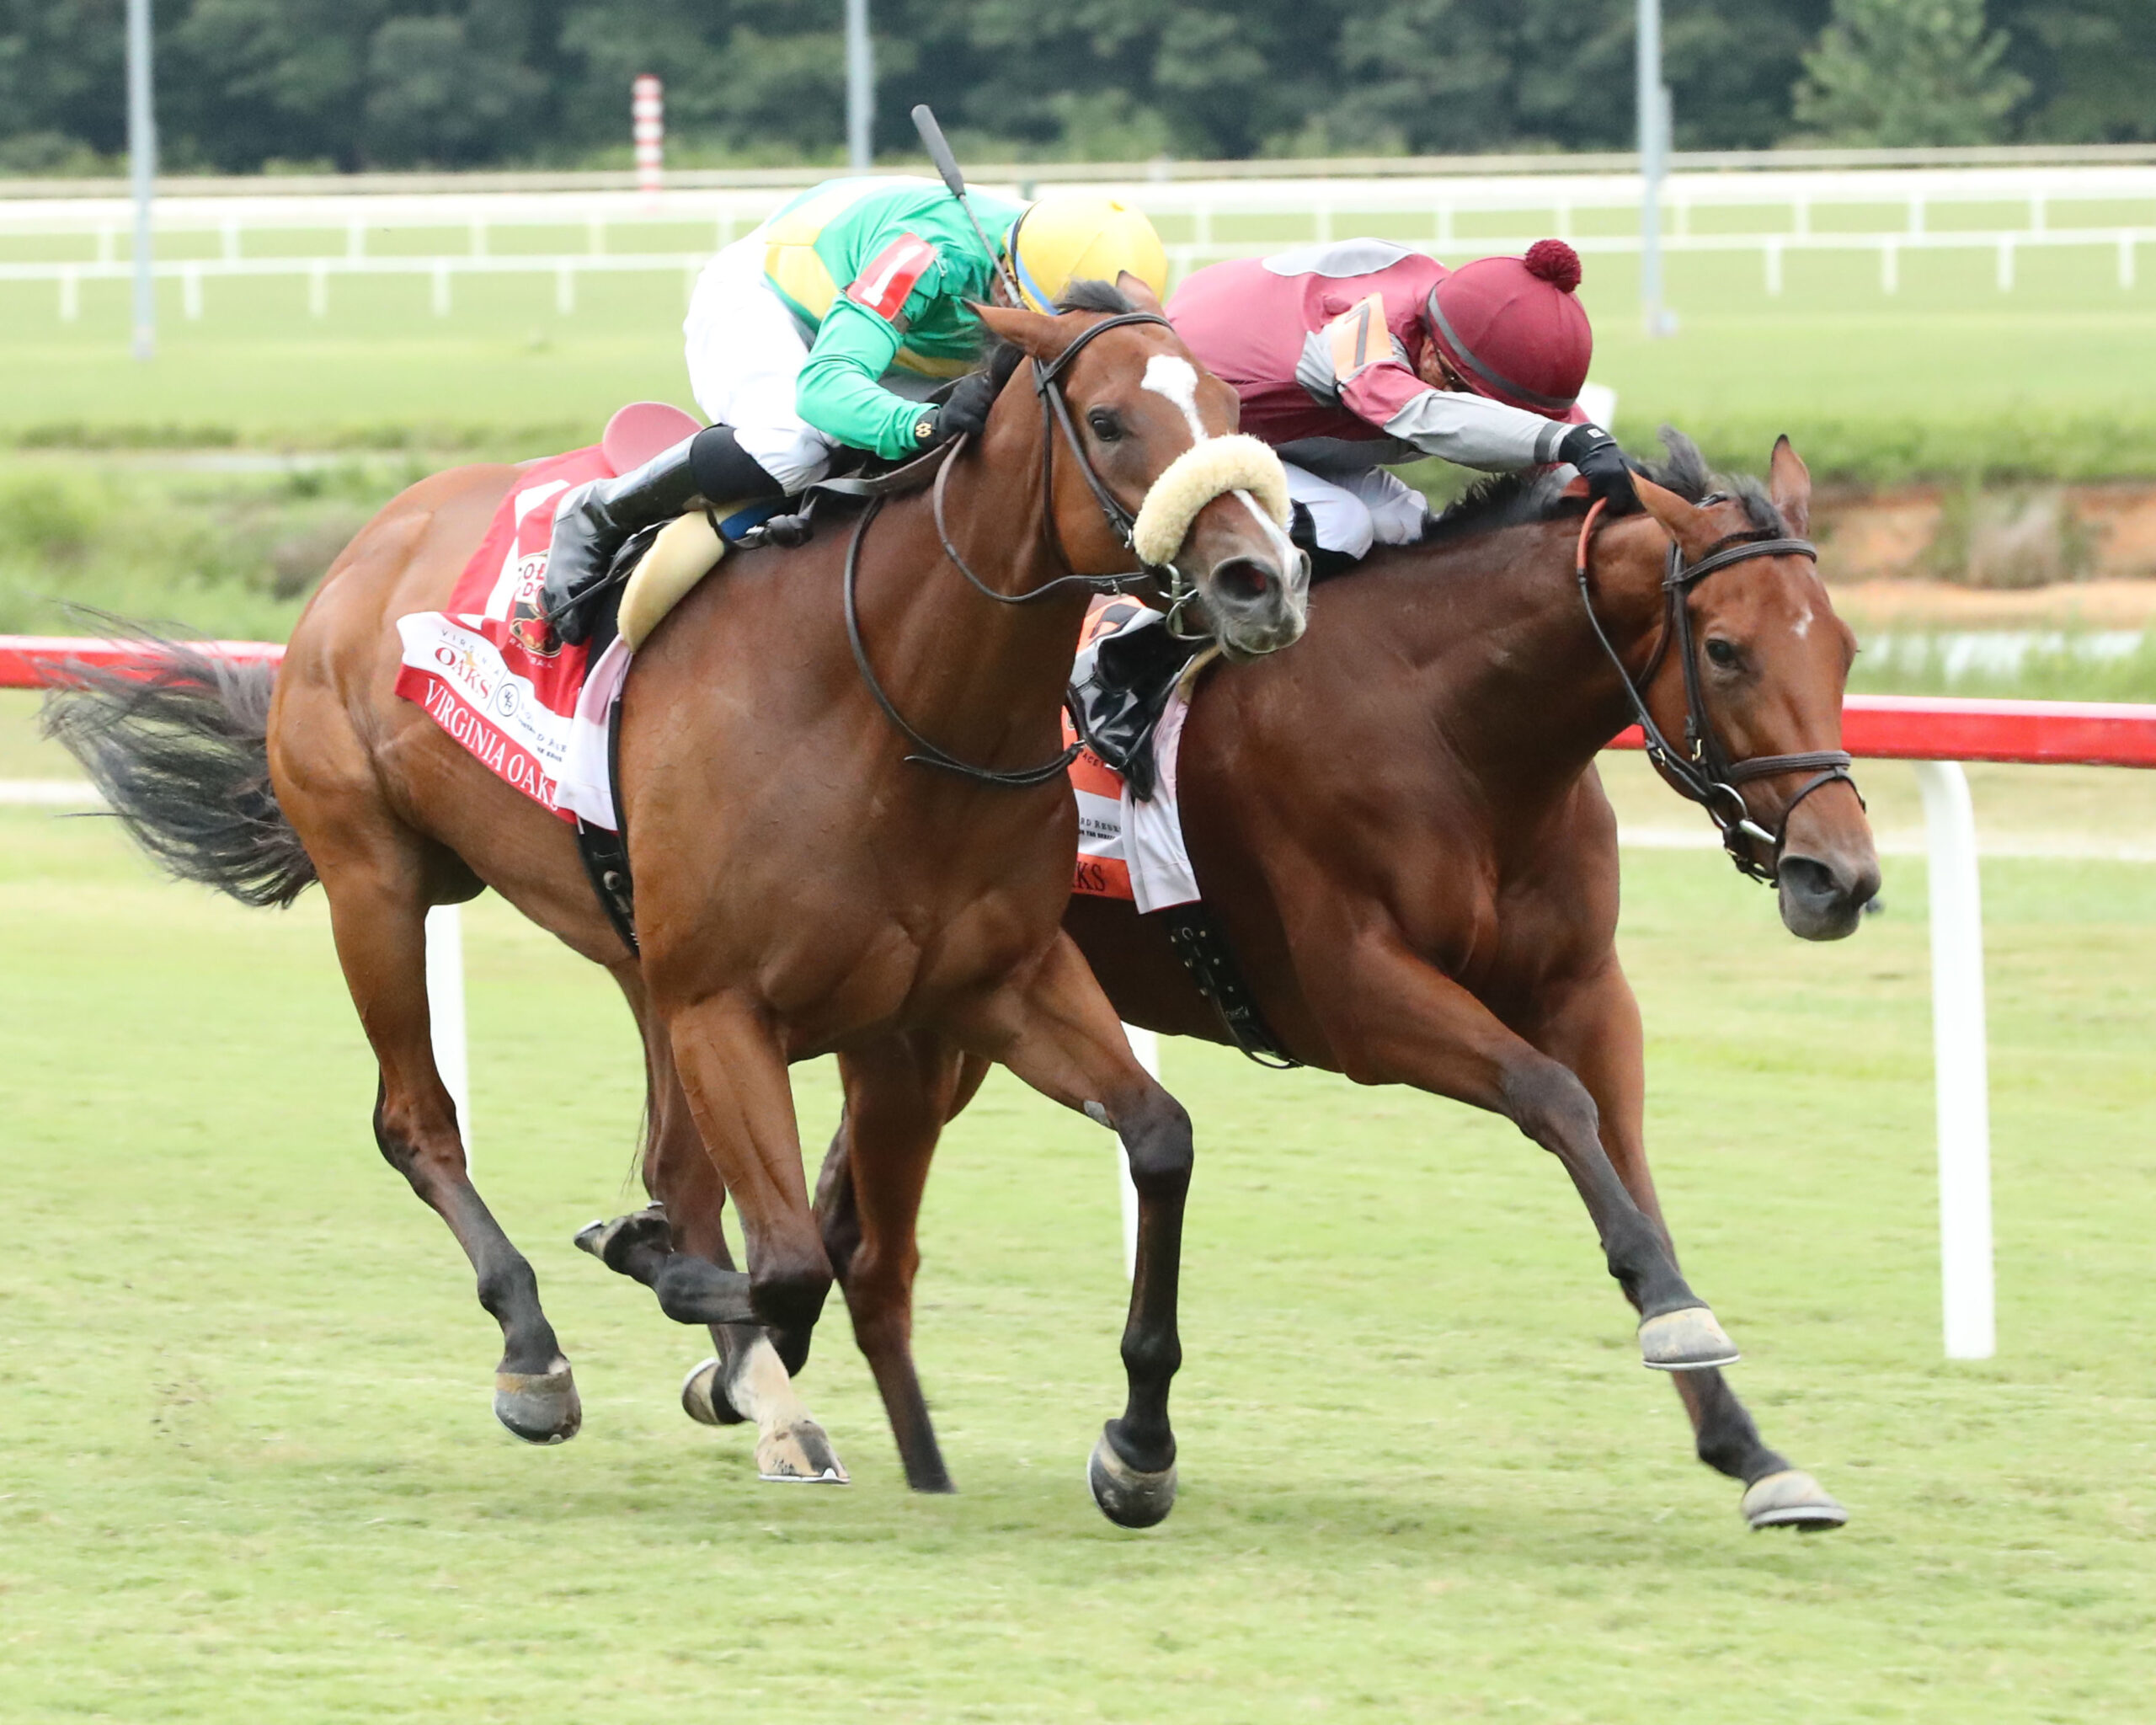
point(846, 819)
point(1399, 830)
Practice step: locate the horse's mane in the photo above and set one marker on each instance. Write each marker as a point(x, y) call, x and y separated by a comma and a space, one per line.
point(1537, 495)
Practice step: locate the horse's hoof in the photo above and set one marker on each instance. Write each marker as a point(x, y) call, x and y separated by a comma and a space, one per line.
point(801, 1454)
point(610, 1242)
point(1127, 1496)
point(703, 1398)
point(540, 1407)
point(1690, 1340)
point(1791, 1499)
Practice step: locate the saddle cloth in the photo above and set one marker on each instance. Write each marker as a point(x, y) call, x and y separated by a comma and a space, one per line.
point(536, 718)
point(1128, 847)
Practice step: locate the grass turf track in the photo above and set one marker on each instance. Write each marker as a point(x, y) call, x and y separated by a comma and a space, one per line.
point(247, 1468)
point(1948, 375)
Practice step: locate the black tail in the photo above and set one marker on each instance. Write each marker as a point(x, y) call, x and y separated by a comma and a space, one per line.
point(178, 746)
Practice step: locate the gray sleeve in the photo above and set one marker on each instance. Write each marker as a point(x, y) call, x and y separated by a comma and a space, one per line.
point(1477, 432)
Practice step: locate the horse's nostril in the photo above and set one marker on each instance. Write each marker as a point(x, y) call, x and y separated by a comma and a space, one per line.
point(1809, 878)
point(1243, 578)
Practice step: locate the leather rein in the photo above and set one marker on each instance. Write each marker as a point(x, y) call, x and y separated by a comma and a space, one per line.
point(1703, 771)
point(1055, 417)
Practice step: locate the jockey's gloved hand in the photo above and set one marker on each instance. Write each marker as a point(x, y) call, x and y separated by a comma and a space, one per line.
point(1601, 463)
point(965, 409)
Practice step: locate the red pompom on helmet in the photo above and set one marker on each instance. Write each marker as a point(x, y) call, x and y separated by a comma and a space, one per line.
point(1512, 329)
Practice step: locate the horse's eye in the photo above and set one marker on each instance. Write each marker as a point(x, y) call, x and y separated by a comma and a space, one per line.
point(1724, 654)
point(1106, 426)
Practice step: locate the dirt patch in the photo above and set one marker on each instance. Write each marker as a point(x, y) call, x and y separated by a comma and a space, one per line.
point(2091, 605)
point(2062, 553)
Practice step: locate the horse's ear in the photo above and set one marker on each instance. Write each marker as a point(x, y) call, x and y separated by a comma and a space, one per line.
point(1684, 522)
point(1043, 337)
point(1789, 483)
point(1134, 289)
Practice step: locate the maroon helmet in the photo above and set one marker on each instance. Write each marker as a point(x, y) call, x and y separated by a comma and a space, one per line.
point(1513, 329)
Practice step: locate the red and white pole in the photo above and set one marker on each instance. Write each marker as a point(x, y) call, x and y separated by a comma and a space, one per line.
point(648, 116)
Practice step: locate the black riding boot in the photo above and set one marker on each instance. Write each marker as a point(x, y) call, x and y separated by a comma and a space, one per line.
point(1302, 533)
point(600, 516)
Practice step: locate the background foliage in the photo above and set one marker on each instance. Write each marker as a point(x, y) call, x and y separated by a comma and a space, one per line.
point(399, 83)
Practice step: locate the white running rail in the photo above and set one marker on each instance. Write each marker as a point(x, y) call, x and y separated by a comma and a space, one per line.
point(445, 235)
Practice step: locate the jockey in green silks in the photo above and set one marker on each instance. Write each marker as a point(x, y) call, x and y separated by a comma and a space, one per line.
point(827, 327)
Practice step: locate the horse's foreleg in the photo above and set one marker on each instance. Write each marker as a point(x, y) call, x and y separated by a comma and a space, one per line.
point(1395, 1019)
point(678, 1249)
point(378, 911)
point(898, 1093)
point(1059, 1035)
point(837, 1216)
point(1594, 1028)
point(733, 1077)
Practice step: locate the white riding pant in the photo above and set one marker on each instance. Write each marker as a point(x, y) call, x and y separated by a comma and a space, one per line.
point(745, 353)
point(1354, 509)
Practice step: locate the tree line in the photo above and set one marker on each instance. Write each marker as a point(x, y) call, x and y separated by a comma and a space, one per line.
point(351, 84)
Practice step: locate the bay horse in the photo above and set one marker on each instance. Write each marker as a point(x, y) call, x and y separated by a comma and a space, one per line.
point(847, 822)
point(1399, 830)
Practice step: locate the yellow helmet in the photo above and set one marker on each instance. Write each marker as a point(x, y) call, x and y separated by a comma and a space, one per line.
point(1071, 237)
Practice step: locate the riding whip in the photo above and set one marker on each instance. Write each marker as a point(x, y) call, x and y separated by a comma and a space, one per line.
point(939, 151)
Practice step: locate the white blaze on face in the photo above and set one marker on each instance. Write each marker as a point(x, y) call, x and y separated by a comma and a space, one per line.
point(1177, 380)
point(1804, 623)
point(1170, 375)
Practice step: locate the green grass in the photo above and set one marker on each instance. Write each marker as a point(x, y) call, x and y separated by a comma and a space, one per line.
point(1949, 375)
point(247, 1468)
point(228, 553)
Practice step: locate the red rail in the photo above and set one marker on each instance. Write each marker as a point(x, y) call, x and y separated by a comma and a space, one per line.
point(1943, 728)
point(30, 661)
point(1875, 727)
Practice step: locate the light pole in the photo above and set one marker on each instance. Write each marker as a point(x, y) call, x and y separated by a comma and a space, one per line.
point(142, 162)
point(860, 87)
point(1652, 99)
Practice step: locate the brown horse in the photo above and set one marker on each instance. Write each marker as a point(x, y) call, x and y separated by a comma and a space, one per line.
point(805, 882)
point(1401, 830)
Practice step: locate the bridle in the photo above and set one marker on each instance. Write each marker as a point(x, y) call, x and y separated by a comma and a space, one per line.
point(1055, 418)
point(1704, 772)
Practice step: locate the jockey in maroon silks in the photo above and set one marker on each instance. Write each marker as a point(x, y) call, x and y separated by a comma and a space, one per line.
point(1353, 357)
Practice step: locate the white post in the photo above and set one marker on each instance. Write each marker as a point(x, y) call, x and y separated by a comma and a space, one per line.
point(860, 88)
point(1957, 1032)
point(1647, 101)
point(1146, 1045)
point(142, 170)
point(445, 1012)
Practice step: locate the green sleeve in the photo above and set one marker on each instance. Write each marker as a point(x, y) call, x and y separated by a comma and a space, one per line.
point(839, 393)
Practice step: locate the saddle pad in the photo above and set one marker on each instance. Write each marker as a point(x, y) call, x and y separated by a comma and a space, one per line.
point(534, 718)
point(1128, 848)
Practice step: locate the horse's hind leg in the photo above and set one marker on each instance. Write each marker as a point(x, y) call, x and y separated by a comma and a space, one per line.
point(378, 898)
point(1594, 1028)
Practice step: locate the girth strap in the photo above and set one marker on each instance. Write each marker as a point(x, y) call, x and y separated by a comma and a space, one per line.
point(1206, 954)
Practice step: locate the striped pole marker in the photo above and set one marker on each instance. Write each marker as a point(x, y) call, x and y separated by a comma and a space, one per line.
point(647, 117)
